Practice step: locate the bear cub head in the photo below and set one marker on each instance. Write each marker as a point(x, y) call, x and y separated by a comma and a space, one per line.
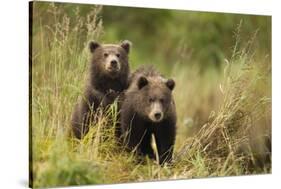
point(110, 60)
point(155, 95)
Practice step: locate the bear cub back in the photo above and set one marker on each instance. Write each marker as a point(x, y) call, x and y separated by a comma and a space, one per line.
point(108, 77)
point(148, 108)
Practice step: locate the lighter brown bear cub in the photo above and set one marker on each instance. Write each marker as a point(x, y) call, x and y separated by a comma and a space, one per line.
point(148, 108)
point(108, 77)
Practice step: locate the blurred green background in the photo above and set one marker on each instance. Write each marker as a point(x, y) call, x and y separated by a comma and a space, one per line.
point(165, 37)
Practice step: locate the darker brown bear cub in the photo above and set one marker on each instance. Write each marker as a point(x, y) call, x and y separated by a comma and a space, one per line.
point(148, 108)
point(108, 77)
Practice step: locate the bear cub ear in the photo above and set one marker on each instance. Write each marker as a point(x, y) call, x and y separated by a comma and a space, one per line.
point(142, 82)
point(126, 44)
point(170, 84)
point(93, 45)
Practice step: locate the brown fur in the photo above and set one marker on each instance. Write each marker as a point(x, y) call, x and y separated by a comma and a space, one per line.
point(106, 81)
point(147, 86)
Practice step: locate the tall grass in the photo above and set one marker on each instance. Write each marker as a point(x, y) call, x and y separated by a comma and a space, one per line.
point(224, 119)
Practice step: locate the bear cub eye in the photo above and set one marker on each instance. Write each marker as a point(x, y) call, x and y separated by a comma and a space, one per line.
point(118, 55)
point(151, 100)
point(105, 54)
point(162, 100)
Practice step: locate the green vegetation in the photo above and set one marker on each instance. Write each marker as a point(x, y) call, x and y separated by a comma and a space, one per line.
point(222, 69)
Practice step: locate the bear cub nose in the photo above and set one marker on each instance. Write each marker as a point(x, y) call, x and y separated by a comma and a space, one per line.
point(157, 115)
point(113, 63)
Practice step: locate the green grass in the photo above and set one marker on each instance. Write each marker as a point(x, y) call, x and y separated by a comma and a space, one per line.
point(224, 118)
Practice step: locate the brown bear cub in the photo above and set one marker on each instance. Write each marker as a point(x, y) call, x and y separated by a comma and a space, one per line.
point(148, 108)
point(108, 77)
